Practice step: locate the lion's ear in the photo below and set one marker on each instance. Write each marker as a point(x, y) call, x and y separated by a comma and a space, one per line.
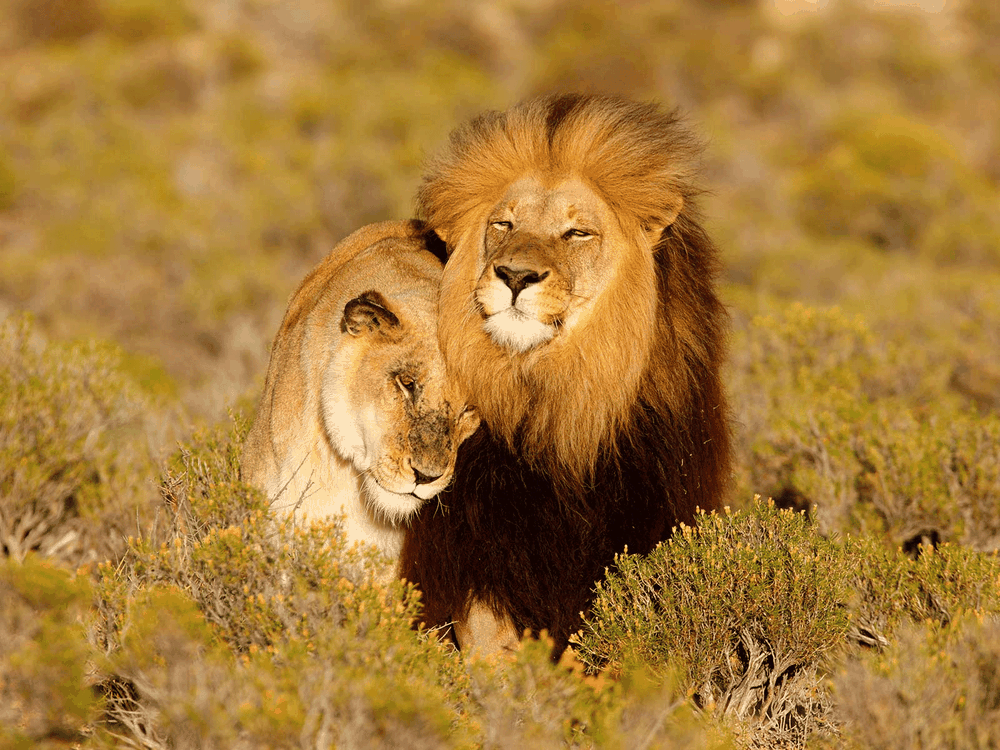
point(442, 235)
point(368, 313)
point(436, 244)
point(654, 225)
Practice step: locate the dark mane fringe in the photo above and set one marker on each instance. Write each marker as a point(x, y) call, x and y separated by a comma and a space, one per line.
point(530, 542)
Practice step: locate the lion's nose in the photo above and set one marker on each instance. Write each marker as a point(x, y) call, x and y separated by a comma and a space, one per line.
point(517, 279)
point(424, 478)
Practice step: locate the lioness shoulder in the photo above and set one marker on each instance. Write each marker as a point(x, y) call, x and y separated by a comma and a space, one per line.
point(357, 415)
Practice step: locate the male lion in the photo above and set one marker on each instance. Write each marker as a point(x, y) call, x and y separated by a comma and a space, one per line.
point(578, 310)
point(357, 415)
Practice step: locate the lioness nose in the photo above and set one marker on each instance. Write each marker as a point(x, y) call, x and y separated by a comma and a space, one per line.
point(518, 278)
point(424, 478)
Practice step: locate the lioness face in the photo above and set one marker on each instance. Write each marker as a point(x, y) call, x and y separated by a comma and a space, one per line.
point(546, 254)
point(403, 420)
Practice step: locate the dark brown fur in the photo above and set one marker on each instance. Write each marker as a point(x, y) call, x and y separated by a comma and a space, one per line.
point(523, 529)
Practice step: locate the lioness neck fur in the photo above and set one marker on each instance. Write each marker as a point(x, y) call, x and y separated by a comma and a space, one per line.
point(357, 416)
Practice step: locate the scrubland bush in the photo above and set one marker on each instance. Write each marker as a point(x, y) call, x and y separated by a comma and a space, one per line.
point(897, 184)
point(838, 422)
point(76, 467)
point(932, 688)
point(298, 642)
point(44, 655)
point(751, 609)
point(221, 626)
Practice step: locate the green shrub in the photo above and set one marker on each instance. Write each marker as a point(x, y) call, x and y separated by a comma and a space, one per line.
point(750, 609)
point(44, 655)
point(833, 418)
point(526, 701)
point(939, 585)
point(75, 465)
point(302, 638)
point(898, 184)
point(746, 605)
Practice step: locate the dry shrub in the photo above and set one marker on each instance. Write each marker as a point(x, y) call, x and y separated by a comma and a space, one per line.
point(225, 627)
point(834, 419)
point(751, 609)
point(43, 654)
point(76, 467)
point(933, 688)
point(746, 605)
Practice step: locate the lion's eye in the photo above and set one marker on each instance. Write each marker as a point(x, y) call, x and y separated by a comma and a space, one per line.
point(406, 384)
point(578, 233)
point(502, 226)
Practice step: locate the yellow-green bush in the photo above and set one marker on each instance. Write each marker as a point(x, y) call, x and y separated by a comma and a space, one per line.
point(751, 609)
point(76, 468)
point(44, 654)
point(836, 419)
point(898, 184)
point(227, 624)
point(746, 605)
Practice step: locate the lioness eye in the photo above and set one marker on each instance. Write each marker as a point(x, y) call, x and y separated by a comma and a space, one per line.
point(406, 384)
point(502, 226)
point(570, 233)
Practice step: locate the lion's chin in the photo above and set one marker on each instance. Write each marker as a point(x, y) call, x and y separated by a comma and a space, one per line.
point(513, 329)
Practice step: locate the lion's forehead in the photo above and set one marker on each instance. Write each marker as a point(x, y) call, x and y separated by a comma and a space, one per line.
point(553, 203)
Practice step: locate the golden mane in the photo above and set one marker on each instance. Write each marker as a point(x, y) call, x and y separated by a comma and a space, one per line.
point(563, 405)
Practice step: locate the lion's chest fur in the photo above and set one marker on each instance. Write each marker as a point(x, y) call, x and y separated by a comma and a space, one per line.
point(543, 544)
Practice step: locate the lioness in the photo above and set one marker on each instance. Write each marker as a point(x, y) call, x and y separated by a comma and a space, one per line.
point(357, 416)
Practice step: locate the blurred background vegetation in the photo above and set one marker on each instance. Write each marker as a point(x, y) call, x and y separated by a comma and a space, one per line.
point(170, 170)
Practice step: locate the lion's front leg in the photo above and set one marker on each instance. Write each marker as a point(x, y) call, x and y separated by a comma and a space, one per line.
point(484, 634)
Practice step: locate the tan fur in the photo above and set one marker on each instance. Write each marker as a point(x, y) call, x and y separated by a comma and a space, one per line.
point(350, 412)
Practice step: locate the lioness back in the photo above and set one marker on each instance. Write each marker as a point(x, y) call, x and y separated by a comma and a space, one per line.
point(357, 416)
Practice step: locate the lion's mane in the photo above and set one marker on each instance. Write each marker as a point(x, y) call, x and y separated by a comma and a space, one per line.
point(618, 434)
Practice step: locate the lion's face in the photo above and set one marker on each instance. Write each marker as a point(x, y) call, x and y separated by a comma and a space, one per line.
point(546, 255)
point(547, 311)
point(389, 407)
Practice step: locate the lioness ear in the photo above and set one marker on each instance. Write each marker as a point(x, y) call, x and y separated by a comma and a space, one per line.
point(368, 313)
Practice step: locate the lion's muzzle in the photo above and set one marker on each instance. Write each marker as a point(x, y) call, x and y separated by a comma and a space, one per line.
point(522, 295)
point(518, 279)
